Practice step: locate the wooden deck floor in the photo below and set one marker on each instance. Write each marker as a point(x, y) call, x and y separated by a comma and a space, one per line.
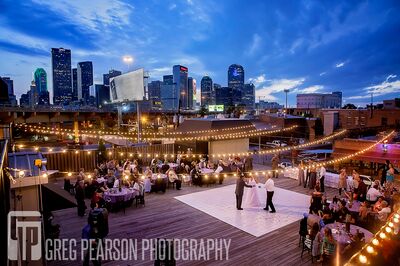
point(165, 217)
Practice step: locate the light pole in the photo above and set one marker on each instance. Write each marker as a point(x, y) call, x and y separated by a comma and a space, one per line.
point(286, 92)
point(128, 60)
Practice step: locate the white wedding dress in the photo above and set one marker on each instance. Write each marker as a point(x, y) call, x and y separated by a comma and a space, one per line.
point(251, 197)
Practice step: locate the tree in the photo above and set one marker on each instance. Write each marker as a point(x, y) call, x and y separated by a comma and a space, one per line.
point(349, 106)
point(203, 110)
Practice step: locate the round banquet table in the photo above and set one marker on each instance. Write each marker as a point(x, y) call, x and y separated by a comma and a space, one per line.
point(210, 179)
point(342, 237)
point(159, 182)
point(114, 195)
point(355, 206)
point(156, 176)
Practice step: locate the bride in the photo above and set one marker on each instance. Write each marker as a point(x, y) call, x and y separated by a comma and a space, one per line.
point(251, 195)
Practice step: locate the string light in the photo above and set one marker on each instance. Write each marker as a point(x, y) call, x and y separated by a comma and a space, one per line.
point(370, 249)
point(223, 155)
point(112, 132)
point(362, 258)
point(102, 135)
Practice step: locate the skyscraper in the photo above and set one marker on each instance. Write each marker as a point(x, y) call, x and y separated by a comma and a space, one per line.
point(74, 84)
point(248, 96)
point(40, 79)
point(235, 76)
point(41, 86)
point(154, 89)
point(111, 74)
point(206, 87)
point(180, 78)
point(8, 91)
point(168, 80)
point(102, 94)
point(236, 82)
point(191, 93)
point(223, 96)
point(62, 80)
point(33, 94)
point(10, 85)
point(85, 80)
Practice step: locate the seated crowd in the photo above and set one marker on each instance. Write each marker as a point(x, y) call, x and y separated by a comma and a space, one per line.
point(154, 177)
point(368, 208)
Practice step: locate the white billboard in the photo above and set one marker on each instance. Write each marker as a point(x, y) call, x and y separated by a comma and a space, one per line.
point(128, 87)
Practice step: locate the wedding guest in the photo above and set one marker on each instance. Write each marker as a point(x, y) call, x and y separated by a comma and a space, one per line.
point(98, 200)
point(81, 175)
point(373, 193)
point(363, 211)
point(390, 174)
point(195, 175)
point(147, 184)
point(316, 201)
point(270, 187)
point(306, 176)
point(274, 163)
point(301, 173)
point(322, 173)
point(360, 192)
point(218, 171)
point(328, 245)
point(384, 168)
point(342, 181)
point(313, 176)
point(384, 212)
point(378, 205)
point(316, 237)
point(117, 183)
point(80, 197)
point(173, 178)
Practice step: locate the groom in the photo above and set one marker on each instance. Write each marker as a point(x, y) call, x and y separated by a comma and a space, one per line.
point(240, 184)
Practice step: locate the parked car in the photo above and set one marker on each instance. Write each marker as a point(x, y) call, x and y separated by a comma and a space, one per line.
point(276, 143)
point(284, 164)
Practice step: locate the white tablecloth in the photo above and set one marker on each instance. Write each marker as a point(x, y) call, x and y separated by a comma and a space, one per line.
point(291, 172)
point(331, 179)
point(125, 193)
point(206, 170)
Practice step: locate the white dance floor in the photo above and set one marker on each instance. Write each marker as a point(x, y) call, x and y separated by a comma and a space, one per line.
point(221, 204)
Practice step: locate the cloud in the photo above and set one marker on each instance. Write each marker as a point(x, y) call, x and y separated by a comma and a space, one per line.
point(311, 89)
point(96, 16)
point(158, 72)
point(255, 44)
point(339, 65)
point(172, 6)
point(391, 77)
point(277, 86)
point(197, 11)
point(257, 81)
point(384, 88)
point(322, 73)
point(296, 44)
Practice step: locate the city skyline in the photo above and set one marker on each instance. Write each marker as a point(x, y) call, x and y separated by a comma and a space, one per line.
point(304, 47)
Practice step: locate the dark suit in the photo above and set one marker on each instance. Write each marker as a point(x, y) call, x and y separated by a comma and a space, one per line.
point(80, 199)
point(240, 184)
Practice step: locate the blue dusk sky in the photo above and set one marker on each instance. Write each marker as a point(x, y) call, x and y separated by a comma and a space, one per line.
point(304, 46)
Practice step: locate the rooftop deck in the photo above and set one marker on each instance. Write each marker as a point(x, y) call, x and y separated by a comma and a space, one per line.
point(166, 217)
